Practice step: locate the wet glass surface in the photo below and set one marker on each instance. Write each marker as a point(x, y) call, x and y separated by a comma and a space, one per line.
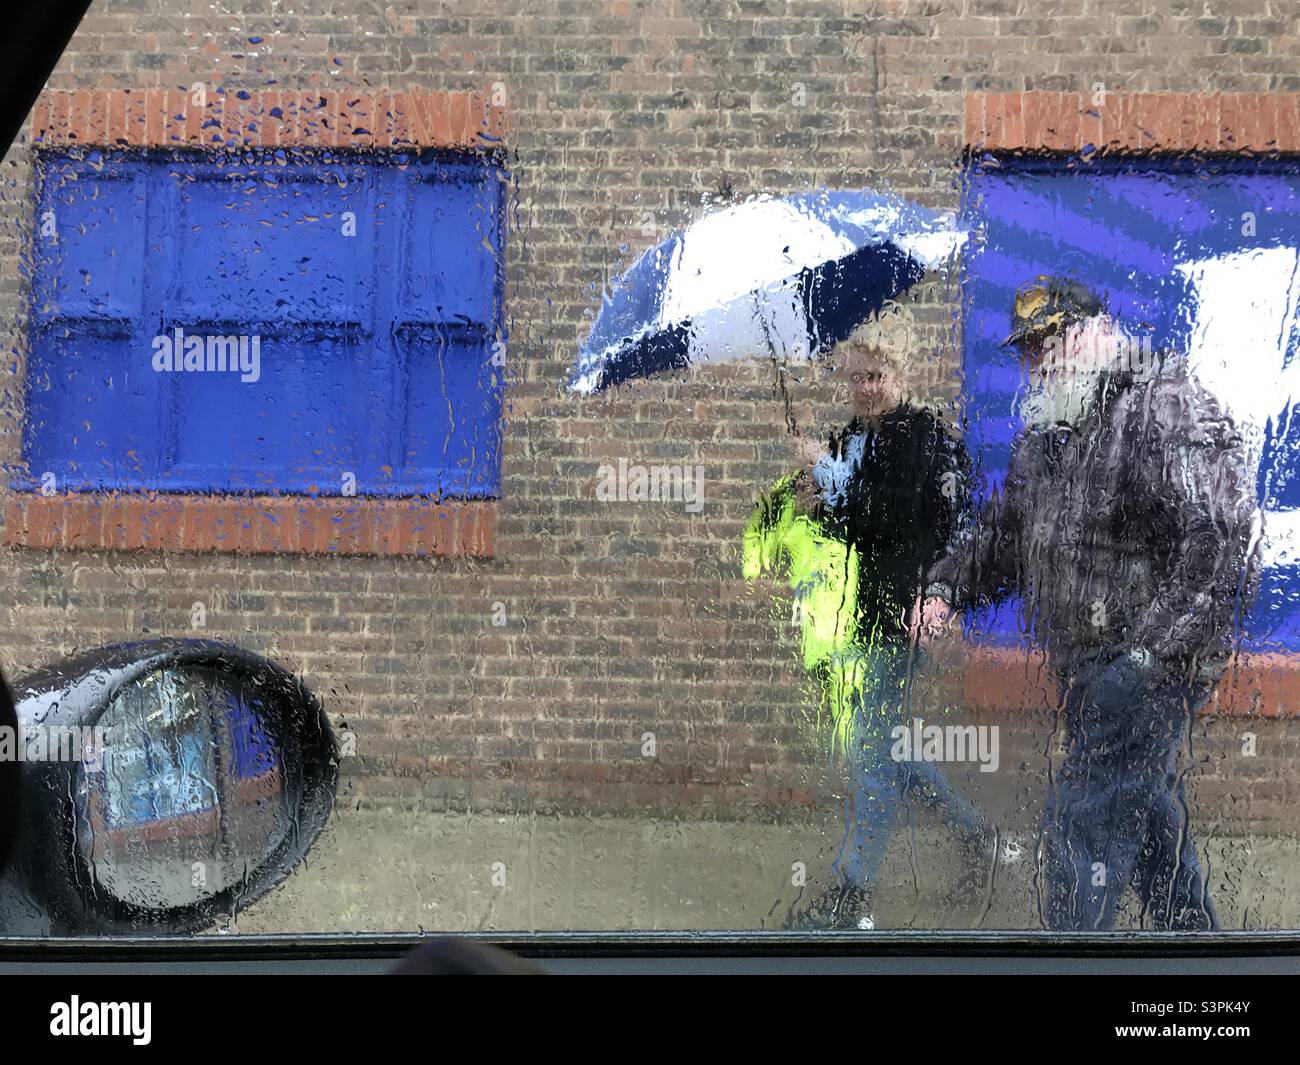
point(711, 475)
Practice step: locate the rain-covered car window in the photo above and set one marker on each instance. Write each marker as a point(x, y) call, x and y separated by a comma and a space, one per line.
point(751, 466)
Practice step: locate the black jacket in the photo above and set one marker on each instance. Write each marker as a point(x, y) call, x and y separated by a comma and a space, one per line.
point(897, 493)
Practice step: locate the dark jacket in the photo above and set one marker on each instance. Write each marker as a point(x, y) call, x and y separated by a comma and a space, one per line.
point(895, 492)
point(1132, 532)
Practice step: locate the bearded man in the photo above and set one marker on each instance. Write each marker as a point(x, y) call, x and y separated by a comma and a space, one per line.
point(1126, 526)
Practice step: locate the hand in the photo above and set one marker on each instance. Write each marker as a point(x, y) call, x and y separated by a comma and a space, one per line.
point(930, 618)
point(1144, 663)
point(1142, 658)
point(807, 451)
point(806, 494)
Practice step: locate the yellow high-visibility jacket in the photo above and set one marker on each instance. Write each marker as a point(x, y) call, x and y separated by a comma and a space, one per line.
point(822, 571)
point(821, 568)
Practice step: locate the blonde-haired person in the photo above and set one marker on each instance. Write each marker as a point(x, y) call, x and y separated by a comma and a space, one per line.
point(893, 483)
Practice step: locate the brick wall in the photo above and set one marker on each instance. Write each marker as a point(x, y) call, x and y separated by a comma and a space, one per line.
point(625, 119)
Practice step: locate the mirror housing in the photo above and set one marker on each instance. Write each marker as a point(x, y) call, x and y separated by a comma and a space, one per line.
point(165, 784)
point(10, 782)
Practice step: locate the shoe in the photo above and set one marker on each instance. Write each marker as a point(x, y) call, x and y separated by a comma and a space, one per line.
point(840, 907)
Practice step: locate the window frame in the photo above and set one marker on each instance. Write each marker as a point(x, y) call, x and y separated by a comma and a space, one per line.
point(382, 327)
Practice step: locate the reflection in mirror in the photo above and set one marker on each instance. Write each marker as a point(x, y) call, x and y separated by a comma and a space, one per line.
point(188, 796)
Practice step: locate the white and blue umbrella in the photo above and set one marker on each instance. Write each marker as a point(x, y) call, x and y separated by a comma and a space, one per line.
point(775, 277)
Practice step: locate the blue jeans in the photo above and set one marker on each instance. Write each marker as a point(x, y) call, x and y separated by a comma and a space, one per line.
point(1117, 813)
point(877, 783)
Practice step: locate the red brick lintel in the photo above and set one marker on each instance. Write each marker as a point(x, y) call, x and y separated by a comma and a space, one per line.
point(220, 118)
point(1113, 122)
point(252, 524)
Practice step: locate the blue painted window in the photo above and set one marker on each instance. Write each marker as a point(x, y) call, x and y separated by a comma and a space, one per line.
point(365, 290)
point(1202, 255)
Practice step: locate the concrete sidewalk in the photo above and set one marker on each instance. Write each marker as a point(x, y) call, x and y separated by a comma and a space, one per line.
point(393, 870)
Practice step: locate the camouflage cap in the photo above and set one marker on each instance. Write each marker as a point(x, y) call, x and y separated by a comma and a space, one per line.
point(1046, 304)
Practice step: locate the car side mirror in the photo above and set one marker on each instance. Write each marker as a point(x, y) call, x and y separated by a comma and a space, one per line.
point(165, 784)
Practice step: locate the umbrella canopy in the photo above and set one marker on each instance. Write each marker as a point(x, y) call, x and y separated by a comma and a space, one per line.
point(775, 277)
